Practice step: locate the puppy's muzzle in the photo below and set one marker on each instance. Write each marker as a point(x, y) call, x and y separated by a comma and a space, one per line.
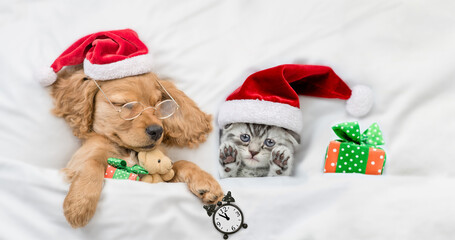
point(154, 132)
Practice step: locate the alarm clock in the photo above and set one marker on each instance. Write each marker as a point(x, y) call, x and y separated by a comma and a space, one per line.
point(227, 217)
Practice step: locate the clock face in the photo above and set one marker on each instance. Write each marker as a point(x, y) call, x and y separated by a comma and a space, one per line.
point(228, 218)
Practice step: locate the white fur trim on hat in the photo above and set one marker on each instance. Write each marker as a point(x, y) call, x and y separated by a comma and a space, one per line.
point(261, 112)
point(360, 102)
point(46, 76)
point(129, 67)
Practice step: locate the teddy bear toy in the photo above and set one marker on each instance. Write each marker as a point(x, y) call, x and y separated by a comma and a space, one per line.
point(158, 165)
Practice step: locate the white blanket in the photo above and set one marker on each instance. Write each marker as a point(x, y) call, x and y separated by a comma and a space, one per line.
point(402, 49)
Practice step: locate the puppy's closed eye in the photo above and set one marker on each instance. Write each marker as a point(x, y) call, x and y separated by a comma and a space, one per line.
point(119, 104)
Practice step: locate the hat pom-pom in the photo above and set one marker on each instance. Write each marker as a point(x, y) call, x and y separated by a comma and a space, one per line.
point(360, 102)
point(46, 76)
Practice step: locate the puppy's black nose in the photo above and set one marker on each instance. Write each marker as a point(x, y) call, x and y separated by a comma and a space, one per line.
point(154, 131)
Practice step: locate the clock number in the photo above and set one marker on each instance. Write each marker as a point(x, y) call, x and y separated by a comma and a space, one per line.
point(232, 216)
point(223, 210)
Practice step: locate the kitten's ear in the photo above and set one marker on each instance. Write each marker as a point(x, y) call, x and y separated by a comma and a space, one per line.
point(226, 127)
point(294, 135)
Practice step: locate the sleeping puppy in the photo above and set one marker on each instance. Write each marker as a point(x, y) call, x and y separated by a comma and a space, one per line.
point(91, 112)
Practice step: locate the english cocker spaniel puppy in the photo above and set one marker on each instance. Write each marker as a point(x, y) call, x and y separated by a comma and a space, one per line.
point(92, 113)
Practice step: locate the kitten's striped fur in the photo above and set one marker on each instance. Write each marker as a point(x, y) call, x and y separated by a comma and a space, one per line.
point(256, 150)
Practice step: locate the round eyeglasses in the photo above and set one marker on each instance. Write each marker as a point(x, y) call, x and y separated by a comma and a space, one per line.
point(132, 110)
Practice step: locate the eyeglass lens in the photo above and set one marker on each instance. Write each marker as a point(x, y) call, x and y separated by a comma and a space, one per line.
point(131, 110)
point(163, 109)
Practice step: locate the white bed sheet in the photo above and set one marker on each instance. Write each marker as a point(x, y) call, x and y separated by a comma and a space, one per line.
point(402, 49)
point(323, 207)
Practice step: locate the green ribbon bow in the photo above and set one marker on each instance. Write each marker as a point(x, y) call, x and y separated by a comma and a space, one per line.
point(121, 164)
point(350, 132)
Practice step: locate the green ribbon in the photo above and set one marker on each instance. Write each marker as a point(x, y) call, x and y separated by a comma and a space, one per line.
point(350, 132)
point(121, 164)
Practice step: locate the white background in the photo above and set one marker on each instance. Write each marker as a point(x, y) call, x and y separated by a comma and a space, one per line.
point(403, 50)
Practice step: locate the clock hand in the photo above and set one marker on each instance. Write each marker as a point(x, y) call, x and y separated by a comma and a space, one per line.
point(224, 216)
point(227, 218)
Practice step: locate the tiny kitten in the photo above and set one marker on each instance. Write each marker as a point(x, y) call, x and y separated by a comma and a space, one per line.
point(256, 150)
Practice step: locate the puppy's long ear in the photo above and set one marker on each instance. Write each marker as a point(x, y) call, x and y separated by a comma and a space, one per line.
point(74, 96)
point(189, 126)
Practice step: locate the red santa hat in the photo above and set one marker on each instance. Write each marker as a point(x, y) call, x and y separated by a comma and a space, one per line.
point(105, 55)
point(271, 96)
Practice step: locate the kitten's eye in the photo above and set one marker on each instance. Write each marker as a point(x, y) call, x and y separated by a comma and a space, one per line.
point(245, 137)
point(269, 142)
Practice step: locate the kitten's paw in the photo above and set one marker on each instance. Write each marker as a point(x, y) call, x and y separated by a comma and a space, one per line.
point(228, 160)
point(280, 162)
point(228, 154)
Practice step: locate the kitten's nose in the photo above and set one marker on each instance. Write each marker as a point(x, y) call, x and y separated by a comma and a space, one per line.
point(154, 131)
point(253, 153)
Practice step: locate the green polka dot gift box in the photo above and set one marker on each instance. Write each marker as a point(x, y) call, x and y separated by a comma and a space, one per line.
point(355, 152)
point(118, 169)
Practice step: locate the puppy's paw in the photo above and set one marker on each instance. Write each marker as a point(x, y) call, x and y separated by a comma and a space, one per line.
point(79, 208)
point(204, 186)
point(280, 161)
